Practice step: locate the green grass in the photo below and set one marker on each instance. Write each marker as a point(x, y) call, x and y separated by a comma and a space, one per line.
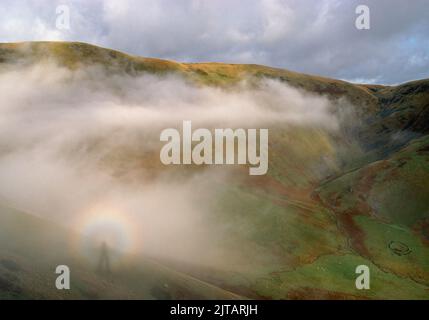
point(333, 276)
point(413, 265)
point(396, 189)
point(289, 245)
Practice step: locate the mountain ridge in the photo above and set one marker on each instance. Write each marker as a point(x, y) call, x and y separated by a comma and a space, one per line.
point(369, 208)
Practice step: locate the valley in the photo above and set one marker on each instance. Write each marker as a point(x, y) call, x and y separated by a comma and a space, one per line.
point(337, 193)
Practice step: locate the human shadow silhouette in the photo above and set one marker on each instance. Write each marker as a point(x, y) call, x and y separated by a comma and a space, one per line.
point(103, 266)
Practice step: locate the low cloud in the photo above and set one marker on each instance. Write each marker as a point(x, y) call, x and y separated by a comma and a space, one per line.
point(72, 141)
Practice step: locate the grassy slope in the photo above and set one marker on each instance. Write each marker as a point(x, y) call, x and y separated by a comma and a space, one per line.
point(308, 247)
point(387, 203)
point(75, 55)
point(30, 248)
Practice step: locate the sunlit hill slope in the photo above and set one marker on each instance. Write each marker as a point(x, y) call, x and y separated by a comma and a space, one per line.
point(330, 200)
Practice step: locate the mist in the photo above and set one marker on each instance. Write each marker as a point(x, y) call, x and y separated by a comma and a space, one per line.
point(82, 143)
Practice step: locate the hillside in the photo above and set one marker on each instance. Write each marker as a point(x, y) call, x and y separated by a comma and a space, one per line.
point(330, 200)
point(31, 248)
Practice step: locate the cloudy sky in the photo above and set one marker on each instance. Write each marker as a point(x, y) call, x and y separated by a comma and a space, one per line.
point(311, 36)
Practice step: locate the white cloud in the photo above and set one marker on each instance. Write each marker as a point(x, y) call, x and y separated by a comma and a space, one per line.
point(308, 36)
point(70, 141)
